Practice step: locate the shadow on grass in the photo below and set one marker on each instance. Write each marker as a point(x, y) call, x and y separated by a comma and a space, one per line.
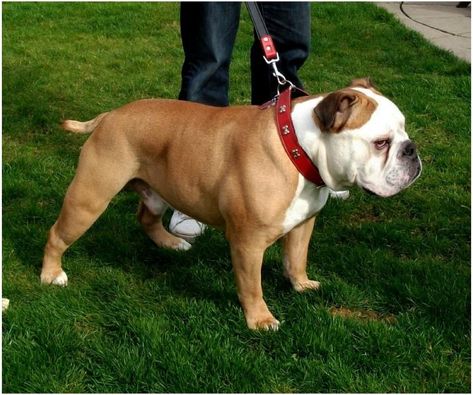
point(372, 261)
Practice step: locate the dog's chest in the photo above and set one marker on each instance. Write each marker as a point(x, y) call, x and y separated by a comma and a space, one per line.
point(307, 201)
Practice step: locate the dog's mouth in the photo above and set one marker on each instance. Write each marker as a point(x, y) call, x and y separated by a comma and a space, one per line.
point(396, 181)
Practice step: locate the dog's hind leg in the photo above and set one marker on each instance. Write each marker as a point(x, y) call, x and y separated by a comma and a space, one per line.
point(150, 215)
point(99, 177)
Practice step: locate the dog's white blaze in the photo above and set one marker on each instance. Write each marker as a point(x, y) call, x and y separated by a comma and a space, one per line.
point(308, 200)
point(387, 117)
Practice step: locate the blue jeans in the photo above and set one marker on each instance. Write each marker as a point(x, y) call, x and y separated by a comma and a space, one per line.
point(208, 34)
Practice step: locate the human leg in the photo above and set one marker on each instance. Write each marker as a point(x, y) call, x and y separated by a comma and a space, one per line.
point(208, 32)
point(289, 25)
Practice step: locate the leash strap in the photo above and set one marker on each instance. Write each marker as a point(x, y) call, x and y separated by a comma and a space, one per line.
point(270, 56)
point(282, 101)
point(266, 41)
point(288, 137)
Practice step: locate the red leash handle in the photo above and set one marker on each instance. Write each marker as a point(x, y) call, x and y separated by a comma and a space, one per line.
point(266, 41)
point(269, 49)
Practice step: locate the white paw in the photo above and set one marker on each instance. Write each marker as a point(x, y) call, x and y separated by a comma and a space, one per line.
point(342, 195)
point(306, 285)
point(60, 280)
point(270, 324)
point(273, 326)
point(184, 246)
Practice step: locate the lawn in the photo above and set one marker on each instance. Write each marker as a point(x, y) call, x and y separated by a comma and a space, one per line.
point(393, 313)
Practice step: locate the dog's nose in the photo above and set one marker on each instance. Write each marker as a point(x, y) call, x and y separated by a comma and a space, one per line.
point(408, 150)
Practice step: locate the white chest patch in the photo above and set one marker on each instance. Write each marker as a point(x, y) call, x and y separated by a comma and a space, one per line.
point(308, 200)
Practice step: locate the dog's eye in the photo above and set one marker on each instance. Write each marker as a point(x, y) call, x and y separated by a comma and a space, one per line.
point(382, 144)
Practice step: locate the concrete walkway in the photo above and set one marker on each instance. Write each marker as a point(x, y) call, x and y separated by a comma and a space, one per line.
point(442, 23)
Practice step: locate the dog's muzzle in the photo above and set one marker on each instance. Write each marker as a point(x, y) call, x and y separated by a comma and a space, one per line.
point(408, 156)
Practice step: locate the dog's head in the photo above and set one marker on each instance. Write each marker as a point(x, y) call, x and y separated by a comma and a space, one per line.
point(365, 140)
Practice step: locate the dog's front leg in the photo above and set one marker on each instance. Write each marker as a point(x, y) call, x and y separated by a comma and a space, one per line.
point(296, 247)
point(247, 260)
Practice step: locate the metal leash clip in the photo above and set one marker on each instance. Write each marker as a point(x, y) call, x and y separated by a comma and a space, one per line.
point(271, 57)
point(279, 76)
point(282, 81)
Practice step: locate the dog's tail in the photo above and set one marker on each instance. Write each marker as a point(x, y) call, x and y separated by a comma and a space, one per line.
point(83, 127)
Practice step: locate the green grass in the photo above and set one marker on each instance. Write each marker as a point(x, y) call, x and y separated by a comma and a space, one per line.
point(136, 318)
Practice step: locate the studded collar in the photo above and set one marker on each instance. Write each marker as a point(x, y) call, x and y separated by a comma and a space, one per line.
point(288, 137)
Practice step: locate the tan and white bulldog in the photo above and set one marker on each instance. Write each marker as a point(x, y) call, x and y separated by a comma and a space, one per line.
point(226, 167)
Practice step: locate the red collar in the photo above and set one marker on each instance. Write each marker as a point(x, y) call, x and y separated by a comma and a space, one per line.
point(288, 138)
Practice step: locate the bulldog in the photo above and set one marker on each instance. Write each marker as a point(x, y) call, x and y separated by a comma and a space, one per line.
point(226, 167)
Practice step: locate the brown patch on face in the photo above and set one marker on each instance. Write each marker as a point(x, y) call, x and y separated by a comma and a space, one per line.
point(344, 109)
point(362, 315)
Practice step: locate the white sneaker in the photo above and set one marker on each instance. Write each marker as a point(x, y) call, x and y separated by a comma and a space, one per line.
point(188, 228)
point(342, 195)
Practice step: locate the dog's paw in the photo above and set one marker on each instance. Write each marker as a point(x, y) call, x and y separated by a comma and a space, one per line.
point(174, 243)
point(306, 285)
point(265, 324)
point(55, 279)
point(183, 246)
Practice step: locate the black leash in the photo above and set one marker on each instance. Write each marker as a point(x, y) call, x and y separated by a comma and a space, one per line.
point(270, 56)
point(257, 18)
point(266, 41)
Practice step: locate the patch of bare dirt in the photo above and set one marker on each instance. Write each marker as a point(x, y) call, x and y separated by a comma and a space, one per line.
point(362, 315)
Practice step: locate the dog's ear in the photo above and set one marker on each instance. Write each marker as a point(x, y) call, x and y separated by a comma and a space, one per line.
point(366, 83)
point(333, 112)
point(362, 83)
